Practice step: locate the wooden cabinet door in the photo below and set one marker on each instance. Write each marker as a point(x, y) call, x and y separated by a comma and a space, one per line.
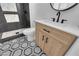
point(57, 48)
point(41, 39)
point(53, 47)
point(47, 45)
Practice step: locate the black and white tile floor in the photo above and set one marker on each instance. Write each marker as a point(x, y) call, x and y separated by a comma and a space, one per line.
point(20, 47)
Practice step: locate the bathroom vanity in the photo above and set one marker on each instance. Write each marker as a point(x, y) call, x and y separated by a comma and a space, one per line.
point(54, 39)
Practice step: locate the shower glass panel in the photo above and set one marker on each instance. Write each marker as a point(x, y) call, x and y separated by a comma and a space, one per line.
point(9, 7)
point(11, 18)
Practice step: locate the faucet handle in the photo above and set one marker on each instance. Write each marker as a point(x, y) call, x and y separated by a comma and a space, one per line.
point(63, 20)
point(53, 19)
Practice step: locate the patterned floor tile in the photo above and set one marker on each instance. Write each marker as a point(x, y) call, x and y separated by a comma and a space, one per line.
point(6, 47)
point(37, 50)
point(24, 45)
point(17, 52)
point(15, 45)
point(7, 53)
point(28, 51)
point(20, 47)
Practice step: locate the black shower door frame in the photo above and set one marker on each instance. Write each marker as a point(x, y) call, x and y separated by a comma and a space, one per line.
point(23, 14)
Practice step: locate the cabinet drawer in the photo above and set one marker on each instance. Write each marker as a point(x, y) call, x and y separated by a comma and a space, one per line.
point(62, 36)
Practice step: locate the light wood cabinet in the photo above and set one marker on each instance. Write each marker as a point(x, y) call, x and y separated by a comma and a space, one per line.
point(52, 41)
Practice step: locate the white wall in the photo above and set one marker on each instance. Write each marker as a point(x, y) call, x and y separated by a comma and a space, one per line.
point(44, 11)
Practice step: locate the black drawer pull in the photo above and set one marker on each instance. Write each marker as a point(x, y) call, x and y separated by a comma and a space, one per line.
point(46, 30)
point(46, 39)
point(42, 37)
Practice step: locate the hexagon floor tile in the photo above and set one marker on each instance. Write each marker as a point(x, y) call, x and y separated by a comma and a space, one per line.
point(20, 47)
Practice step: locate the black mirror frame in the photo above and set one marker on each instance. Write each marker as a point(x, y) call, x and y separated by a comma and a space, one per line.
point(64, 9)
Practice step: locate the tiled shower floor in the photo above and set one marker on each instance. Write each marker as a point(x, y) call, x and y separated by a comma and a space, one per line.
point(20, 47)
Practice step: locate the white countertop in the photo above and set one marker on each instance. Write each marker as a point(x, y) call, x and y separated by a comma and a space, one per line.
point(64, 27)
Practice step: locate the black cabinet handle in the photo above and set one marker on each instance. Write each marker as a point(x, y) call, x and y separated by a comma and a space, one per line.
point(42, 37)
point(46, 30)
point(46, 39)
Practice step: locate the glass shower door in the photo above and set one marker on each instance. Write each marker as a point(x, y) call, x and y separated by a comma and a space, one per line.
point(10, 15)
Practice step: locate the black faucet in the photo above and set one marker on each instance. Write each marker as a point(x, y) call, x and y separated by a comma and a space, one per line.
point(58, 14)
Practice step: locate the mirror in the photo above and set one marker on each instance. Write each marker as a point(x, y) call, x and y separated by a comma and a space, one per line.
point(62, 6)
